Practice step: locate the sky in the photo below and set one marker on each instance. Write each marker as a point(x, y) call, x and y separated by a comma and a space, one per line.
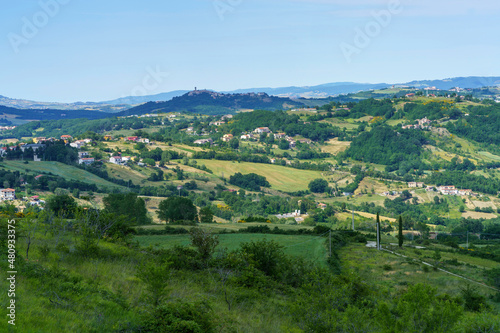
point(89, 50)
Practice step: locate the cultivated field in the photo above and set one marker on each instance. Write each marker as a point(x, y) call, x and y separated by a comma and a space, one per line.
point(334, 146)
point(59, 169)
point(309, 247)
point(280, 178)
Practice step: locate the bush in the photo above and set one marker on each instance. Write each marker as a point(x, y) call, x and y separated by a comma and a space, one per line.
point(267, 256)
point(473, 301)
point(181, 257)
point(479, 323)
point(387, 267)
point(180, 317)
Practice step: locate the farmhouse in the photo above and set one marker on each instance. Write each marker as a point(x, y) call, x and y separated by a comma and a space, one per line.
point(260, 130)
point(217, 123)
point(203, 141)
point(415, 184)
point(78, 144)
point(322, 205)
point(451, 190)
point(86, 161)
point(8, 194)
point(227, 137)
point(83, 154)
point(116, 160)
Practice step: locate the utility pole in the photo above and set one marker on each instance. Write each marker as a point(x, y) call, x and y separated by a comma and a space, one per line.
point(330, 242)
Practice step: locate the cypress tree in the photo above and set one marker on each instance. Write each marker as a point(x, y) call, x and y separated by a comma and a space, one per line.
point(378, 232)
point(400, 234)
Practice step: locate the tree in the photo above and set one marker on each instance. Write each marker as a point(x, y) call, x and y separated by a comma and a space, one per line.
point(29, 228)
point(318, 185)
point(283, 144)
point(129, 205)
point(92, 225)
point(149, 161)
point(176, 208)
point(61, 204)
point(234, 143)
point(156, 277)
point(400, 232)
point(204, 241)
point(206, 215)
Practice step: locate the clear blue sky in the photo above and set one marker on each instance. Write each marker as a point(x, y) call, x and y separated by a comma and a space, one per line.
point(88, 50)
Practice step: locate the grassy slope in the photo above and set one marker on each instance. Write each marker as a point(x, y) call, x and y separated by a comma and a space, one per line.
point(369, 264)
point(280, 178)
point(59, 169)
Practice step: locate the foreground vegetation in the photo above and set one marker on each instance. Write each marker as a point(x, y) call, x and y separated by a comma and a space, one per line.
point(88, 274)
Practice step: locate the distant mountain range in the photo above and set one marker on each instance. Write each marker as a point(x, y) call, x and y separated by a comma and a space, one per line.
point(319, 91)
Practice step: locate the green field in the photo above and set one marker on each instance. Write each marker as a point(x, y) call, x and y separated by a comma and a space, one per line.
point(401, 272)
point(280, 178)
point(309, 247)
point(66, 171)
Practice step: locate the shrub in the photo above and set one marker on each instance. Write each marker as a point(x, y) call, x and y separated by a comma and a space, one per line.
point(179, 317)
point(473, 301)
point(387, 267)
point(267, 255)
point(204, 241)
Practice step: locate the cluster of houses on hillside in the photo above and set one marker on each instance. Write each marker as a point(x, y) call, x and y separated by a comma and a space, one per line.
point(5, 128)
point(451, 190)
point(277, 136)
point(222, 120)
point(299, 218)
point(444, 190)
point(136, 139)
point(421, 124)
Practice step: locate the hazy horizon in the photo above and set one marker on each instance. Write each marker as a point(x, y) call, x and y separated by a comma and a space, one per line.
point(68, 51)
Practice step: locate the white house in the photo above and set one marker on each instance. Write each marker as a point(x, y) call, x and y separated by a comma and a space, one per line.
point(260, 130)
point(86, 161)
point(116, 160)
point(83, 154)
point(8, 194)
point(203, 141)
